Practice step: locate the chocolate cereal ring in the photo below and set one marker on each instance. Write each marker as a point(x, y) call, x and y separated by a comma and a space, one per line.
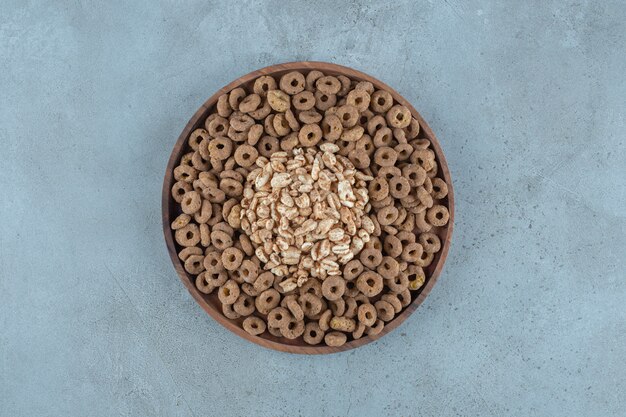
point(352, 269)
point(295, 309)
point(310, 135)
point(292, 83)
point(229, 292)
point(333, 287)
point(188, 251)
point(437, 215)
point(388, 268)
point(370, 283)
point(268, 145)
point(324, 320)
point(229, 312)
point(232, 258)
point(213, 261)
point(358, 332)
point(381, 101)
point(394, 301)
point(221, 240)
point(387, 215)
point(323, 101)
point(181, 221)
point(249, 271)
point(385, 156)
point(399, 187)
point(311, 304)
point(188, 235)
point(335, 339)
point(221, 147)
point(415, 276)
point(194, 265)
point(370, 258)
point(367, 314)
point(405, 297)
point(263, 84)
point(202, 285)
point(248, 104)
point(179, 189)
point(332, 127)
point(351, 307)
point(378, 189)
point(430, 242)
point(293, 329)
point(425, 260)
point(359, 99)
point(398, 116)
point(328, 84)
point(376, 328)
point(338, 307)
point(278, 100)
point(385, 310)
point(222, 107)
point(246, 155)
point(311, 78)
point(398, 283)
point(267, 300)
point(313, 335)
point(279, 317)
point(254, 325)
point(216, 278)
point(244, 305)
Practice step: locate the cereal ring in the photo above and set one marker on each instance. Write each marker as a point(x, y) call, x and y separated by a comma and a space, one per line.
point(392, 246)
point(376, 124)
point(359, 158)
point(358, 332)
point(229, 312)
point(264, 281)
point(416, 277)
point(404, 151)
point(292, 121)
point(254, 325)
point(398, 283)
point(262, 112)
point(345, 147)
point(412, 252)
point(345, 85)
point(279, 317)
point(229, 292)
point(310, 303)
point(191, 202)
point(292, 83)
point(352, 269)
point(188, 251)
point(376, 328)
point(365, 85)
point(263, 84)
point(338, 307)
point(281, 125)
point(415, 174)
point(179, 189)
point(216, 278)
point(328, 85)
point(390, 230)
point(246, 155)
point(311, 78)
point(381, 101)
point(267, 300)
point(246, 244)
point(387, 215)
point(332, 127)
point(278, 100)
point(213, 262)
point(268, 145)
point(399, 187)
point(205, 235)
point(437, 215)
point(181, 221)
point(359, 99)
point(313, 335)
point(348, 115)
point(425, 260)
point(385, 310)
point(388, 267)
point(196, 137)
point(310, 135)
point(333, 287)
point(400, 136)
point(404, 296)
point(218, 126)
point(370, 283)
point(385, 156)
point(221, 147)
point(352, 134)
point(424, 158)
point(248, 104)
point(324, 320)
point(268, 124)
point(366, 144)
point(378, 189)
point(254, 134)
point(398, 116)
point(235, 97)
point(223, 108)
point(324, 101)
point(216, 164)
point(289, 142)
point(370, 258)
point(221, 240)
point(413, 129)
point(202, 285)
point(304, 101)
point(274, 331)
point(420, 222)
point(374, 244)
point(343, 324)
point(394, 301)
point(367, 314)
point(430, 242)
point(351, 307)
point(188, 235)
point(335, 339)
point(384, 138)
point(205, 212)
point(232, 258)
point(295, 309)
point(185, 173)
point(440, 188)
point(193, 264)
point(199, 163)
point(293, 329)
point(244, 305)
point(214, 194)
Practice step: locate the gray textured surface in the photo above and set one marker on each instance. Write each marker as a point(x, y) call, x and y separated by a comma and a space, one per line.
point(528, 101)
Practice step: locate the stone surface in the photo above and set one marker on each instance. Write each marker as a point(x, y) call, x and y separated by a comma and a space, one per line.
point(528, 318)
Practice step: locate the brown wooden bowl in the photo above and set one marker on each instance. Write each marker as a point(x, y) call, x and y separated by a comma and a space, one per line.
point(210, 303)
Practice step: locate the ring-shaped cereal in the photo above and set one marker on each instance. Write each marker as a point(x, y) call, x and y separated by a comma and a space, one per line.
point(345, 85)
point(221, 240)
point(311, 304)
point(338, 307)
point(376, 123)
point(333, 287)
point(405, 297)
point(254, 325)
point(262, 112)
point(268, 145)
point(328, 84)
point(381, 101)
point(311, 78)
point(385, 310)
point(413, 129)
point(267, 300)
point(249, 104)
point(335, 339)
point(440, 188)
point(310, 135)
point(398, 283)
point(246, 155)
point(398, 116)
point(309, 116)
point(235, 97)
point(281, 125)
point(218, 127)
point(185, 173)
point(332, 127)
point(292, 83)
point(404, 151)
point(416, 277)
point(376, 328)
point(425, 260)
point(378, 189)
point(188, 235)
point(366, 144)
point(388, 268)
point(359, 99)
point(179, 189)
point(323, 101)
point(385, 156)
point(313, 335)
point(221, 147)
point(279, 317)
point(263, 84)
point(394, 301)
point(370, 258)
point(202, 285)
point(370, 283)
point(222, 107)
point(199, 162)
point(383, 138)
point(196, 137)
point(437, 215)
point(232, 258)
point(293, 329)
point(387, 215)
point(181, 221)
point(295, 309)
point(229, 292)
point(278, 100)
point(352, 269)
point(249, 271)
point(351, 307)
point(430, 242)
point(244, 305)
point(348, 115)
point(188, 251)
point(358, 332)
point(194, 265)
point(254, 134)
point(229, 312)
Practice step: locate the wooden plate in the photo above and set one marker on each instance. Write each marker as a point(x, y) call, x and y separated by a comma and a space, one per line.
point(210, 303)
